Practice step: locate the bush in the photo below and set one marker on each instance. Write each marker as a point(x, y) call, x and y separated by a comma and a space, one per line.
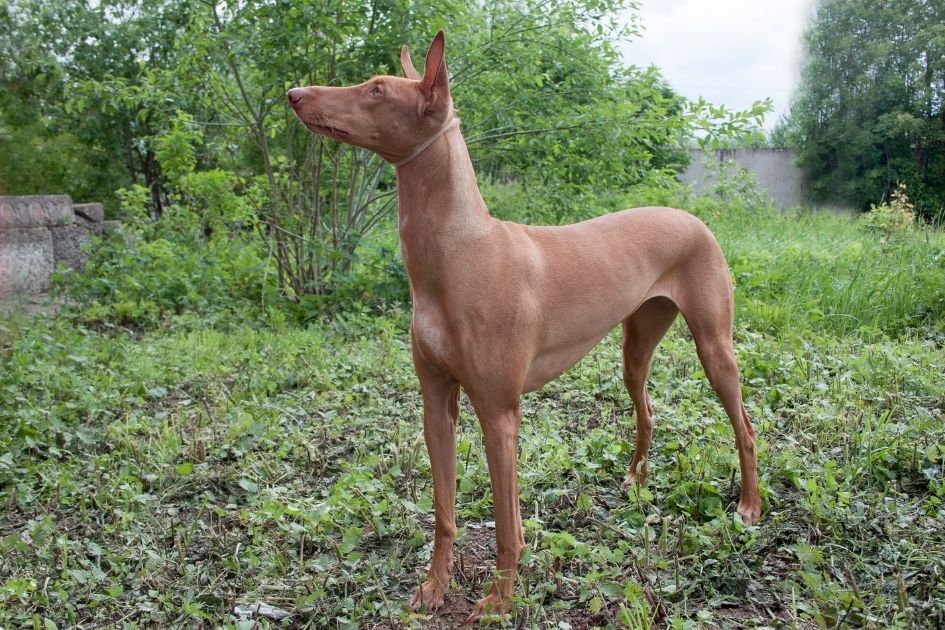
point(137, 282)
point(519, 202)
point(205, 257)
point(171, 266)
point(893, 217)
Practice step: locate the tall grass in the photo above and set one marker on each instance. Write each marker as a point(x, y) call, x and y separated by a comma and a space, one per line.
point(801, 271)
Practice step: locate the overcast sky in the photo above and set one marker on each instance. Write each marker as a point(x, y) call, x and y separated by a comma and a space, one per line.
point(732, 52)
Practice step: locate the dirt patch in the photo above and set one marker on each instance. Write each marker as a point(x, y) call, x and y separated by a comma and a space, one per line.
point(473, 563)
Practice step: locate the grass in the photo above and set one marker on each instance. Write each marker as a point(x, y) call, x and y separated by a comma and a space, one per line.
point(162, 477)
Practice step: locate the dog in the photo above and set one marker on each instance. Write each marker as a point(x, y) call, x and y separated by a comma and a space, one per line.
point(500, 309)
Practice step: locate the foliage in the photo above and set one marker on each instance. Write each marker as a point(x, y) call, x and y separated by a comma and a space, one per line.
point(98, 74)
point(524, 203)
point(185, 262)
point(891, 218)
point(163, 476)
point(559, 112)
point(39, 152)
point(870, 111)
point(153, 91)
point(202, 261)
point(853, 281)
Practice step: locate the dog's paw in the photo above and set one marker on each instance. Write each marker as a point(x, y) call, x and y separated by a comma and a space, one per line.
point(749, 511)
point(428, 596)
point(634, 479)
point(491, 604)
point(630, 481)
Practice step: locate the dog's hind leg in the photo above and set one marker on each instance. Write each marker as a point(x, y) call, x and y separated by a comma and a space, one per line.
point(642, 332)
point(708, 307)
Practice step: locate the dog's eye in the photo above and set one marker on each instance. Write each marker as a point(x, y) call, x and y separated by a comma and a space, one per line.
point(377, 91)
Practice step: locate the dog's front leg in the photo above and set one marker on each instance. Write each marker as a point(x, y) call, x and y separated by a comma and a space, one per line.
point(440, 413)
point(500, 435)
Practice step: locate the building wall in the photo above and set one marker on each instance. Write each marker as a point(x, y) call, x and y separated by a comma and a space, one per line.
point(775, 171)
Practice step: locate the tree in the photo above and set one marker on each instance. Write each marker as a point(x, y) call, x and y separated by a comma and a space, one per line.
point(172, 90)
point(85, 75)
point(38, 153)
point(870, 110)
point(543, 94)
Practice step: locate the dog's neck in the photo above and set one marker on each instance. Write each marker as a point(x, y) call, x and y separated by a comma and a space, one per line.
point(441, 209)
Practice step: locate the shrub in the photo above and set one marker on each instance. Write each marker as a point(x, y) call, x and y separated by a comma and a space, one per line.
point(169, 266)
point(893, 217)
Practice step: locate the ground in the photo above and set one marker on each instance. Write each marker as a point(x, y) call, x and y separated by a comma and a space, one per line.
point(163, 476)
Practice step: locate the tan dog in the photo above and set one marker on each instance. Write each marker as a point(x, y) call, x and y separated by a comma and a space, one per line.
point(500, 309)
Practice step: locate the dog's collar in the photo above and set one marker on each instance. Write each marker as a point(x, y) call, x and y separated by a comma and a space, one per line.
point(451, 122)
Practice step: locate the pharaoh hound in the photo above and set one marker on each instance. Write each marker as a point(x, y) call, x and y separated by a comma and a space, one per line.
point(500, 309)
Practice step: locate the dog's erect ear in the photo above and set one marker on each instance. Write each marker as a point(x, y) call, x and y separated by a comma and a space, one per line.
point(409, 71)
point(435, 85)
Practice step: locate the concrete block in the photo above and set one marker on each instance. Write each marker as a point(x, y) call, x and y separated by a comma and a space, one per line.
point(27, 259)
point(31, 211)
point(774, 170)
point(90, 211)
point(67, 245)
point(89, 226)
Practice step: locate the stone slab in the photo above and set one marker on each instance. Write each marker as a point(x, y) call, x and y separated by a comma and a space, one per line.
point(93, 212)
point(27, 260)
point(92, 227)
point(30, 211)
point(67, 245)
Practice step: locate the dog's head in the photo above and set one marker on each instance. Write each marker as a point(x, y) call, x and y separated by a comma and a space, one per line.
point(389, 115)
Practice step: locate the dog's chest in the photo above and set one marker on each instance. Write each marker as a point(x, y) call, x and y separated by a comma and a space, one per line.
point(431, 334)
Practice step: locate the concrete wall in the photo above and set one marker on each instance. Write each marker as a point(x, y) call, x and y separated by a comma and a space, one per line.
point(774, 170)
point(38, 232)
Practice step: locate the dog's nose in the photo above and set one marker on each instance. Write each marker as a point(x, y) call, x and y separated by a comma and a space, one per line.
point(295, 95)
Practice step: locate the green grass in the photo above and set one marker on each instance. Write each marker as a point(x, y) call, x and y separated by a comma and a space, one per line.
point(805, 272)
point(161, 477)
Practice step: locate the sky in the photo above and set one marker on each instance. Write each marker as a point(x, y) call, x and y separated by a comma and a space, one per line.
point(732, 52)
